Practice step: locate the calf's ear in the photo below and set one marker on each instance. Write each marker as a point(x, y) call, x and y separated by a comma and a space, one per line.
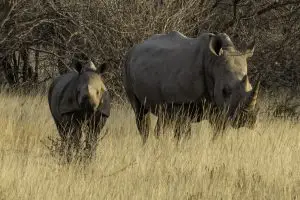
point(250, 49)
point(215, 45)
point(102, 68)
point(78, 66)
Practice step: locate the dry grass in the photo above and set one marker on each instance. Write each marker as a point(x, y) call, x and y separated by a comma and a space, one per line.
point(243, 164)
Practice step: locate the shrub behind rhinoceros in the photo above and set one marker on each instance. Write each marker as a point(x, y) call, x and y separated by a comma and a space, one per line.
point(79, 98)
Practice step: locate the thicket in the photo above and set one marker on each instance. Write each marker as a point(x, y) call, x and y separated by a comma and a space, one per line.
point(39, 37)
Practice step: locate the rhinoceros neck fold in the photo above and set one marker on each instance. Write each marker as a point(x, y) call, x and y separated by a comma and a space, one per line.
point(208, 77)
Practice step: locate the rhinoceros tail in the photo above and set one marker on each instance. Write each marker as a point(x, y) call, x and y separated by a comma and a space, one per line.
point(50, 92)
point(126, 72)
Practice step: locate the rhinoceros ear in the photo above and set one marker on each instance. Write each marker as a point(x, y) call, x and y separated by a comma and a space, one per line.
point(102, 68)
point(250, 49)
point(215, 45)
point(78, 66)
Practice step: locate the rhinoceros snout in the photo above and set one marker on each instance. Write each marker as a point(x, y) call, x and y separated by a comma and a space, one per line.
point(87, 105)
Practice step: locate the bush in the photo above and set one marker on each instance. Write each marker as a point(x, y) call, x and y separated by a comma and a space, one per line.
point(38, 38)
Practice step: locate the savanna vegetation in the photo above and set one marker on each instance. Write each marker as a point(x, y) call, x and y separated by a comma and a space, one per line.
point(242, 164)
point(262, 163)
point(37, 42)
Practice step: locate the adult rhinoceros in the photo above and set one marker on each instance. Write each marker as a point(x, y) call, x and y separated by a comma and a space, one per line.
point(173, 72)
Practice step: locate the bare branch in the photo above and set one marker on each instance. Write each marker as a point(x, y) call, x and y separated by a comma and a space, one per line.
point(5, 10)
point(276, 5)
point(256, 13)
point(52, 53)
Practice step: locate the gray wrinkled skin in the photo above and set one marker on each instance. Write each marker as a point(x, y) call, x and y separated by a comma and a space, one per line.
point(173, 73)
point(77, 97)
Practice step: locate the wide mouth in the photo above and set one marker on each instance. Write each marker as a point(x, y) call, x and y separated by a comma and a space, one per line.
point(243, 118)
point(87, 106)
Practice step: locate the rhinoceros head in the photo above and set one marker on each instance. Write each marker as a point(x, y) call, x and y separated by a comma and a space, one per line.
point(231, 88)
point(90, 88)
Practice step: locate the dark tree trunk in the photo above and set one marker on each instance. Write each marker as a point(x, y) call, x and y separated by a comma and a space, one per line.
point(27, 69)
point(25, 65)
point(8, 71)
point(16, 62)
point(60, 64)
point(37, 62)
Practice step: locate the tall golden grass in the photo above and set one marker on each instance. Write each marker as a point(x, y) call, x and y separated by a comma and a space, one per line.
point(263, 163)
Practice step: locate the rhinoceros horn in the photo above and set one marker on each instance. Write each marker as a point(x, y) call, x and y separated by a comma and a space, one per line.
point(251, 102)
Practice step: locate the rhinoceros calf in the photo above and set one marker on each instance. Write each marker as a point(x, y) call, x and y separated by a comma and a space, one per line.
point(173, 73)
point(76, 97)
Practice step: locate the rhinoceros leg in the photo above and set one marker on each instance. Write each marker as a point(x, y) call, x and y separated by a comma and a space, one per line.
point(219, 124)
point(162, 121)
point(141, 117)
point(160, 126)
point(180, 115)
point(95, 126)
point(143, 123)
point(70, 134)
point(183, 127)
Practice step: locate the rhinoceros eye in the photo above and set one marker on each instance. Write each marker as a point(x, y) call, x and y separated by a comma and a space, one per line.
point(97, 92)
point(77, 92)
point(226, 92)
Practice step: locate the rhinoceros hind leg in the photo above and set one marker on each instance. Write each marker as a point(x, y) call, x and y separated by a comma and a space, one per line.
point(142, 119)
point(159, 127)
point(143, 123)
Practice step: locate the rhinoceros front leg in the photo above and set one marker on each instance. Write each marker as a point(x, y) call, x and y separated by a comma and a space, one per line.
point(183, 127)
point(95, 126)
point(163, 120)
point(70, 135)
point(182, 123)
point(219, 124)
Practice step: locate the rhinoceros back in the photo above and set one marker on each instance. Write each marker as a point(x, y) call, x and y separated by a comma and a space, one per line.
point(167, 68)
